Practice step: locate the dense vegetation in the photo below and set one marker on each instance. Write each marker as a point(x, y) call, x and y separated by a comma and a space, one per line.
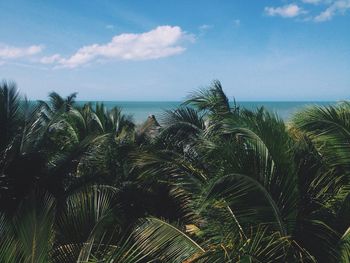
point(214, 183)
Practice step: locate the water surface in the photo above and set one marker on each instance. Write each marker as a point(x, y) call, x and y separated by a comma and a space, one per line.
point(140, 110)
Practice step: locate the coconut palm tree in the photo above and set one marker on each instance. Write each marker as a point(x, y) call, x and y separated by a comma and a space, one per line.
point(263, 173)
point(215, 183)
point(19, 151)
point(327, 130)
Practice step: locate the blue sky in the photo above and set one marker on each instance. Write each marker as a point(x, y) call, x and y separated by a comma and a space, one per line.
point(163, 50)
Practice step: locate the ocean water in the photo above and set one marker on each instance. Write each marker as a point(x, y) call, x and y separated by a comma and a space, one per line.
point(140, 110)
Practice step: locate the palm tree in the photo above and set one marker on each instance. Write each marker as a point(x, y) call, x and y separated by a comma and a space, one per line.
point(216, 183)
point(87, 230)
point(327, 130)
point(19, 151)
point(254, 167)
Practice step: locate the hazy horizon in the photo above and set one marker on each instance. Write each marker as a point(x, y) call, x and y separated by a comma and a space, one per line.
point(184, 99)
point(140, 110)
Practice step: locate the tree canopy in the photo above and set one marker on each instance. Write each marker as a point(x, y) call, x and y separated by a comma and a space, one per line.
point(211, 182)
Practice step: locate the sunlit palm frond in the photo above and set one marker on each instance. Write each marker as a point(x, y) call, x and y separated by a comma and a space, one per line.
point(33, 228)
point(166, 242)
point(344, 250)
point(212, 99)
point(329, 128)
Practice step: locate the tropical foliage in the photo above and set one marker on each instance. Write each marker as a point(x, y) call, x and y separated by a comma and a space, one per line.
point(213, 182)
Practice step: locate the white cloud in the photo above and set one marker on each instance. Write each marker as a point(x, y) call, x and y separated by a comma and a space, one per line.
point(163, 41)
point(51, 59)
point(324, 16)
point(11, 52)
point(337, 7)
point(333, 8)
point(291, 10)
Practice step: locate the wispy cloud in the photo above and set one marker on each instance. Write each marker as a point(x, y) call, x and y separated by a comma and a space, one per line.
point(163, 41)
point(109, 26)
point(205, 27)
point(236, 23)
point(11, 52)
point(26, 65)
point(51, 59)
point(332, 8)
point(337, 7)
point(291, 10)
point(313, 2)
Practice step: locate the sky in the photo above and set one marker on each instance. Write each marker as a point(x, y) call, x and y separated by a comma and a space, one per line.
point(163, 50)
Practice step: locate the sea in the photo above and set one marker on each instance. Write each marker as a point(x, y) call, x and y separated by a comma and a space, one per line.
point(140, 110)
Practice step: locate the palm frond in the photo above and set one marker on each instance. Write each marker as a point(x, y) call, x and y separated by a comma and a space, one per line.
point(10, 113)
point(165, 242)
point(33, 228)
point(344, 251)
point(212, 99)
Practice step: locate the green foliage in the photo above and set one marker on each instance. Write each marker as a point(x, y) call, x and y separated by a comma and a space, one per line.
point(212, 183)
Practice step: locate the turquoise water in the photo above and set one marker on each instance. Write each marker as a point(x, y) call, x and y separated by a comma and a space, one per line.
point(140, 110)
